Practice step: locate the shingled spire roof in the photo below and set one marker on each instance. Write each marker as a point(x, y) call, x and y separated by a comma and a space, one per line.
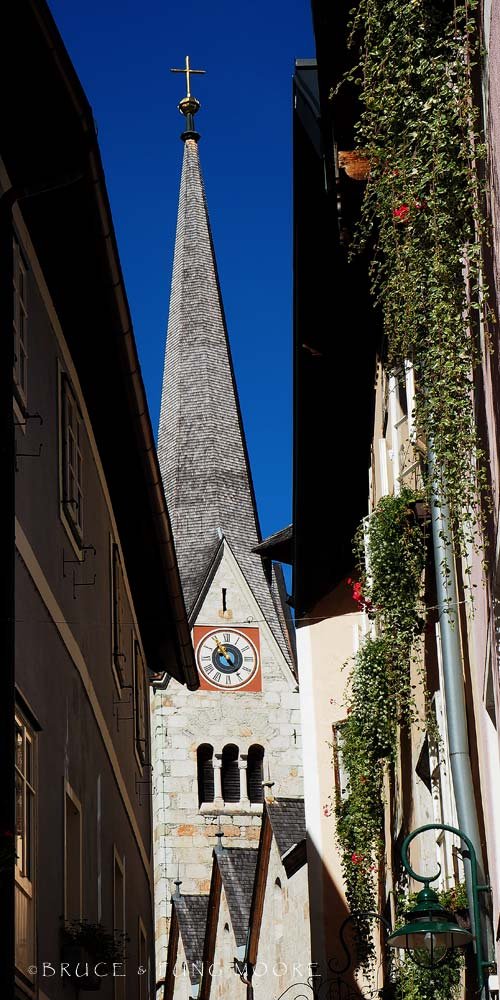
point(201, 443)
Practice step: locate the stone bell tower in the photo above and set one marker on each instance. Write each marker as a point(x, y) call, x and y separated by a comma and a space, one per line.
point(213, 748)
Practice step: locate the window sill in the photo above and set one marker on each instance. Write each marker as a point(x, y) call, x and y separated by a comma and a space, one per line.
point(20, 411)
point(231, 809)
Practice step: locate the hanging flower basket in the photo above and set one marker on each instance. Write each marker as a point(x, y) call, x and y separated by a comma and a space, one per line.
point(355, 163)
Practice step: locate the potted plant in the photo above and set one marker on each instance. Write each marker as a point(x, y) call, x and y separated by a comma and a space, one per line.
point(84, 945)
point(355, 163)
point(455, 900)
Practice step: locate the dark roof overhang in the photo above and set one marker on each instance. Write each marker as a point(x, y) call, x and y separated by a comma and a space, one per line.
point(336, 331)
point(49, 147)
point(278, 546)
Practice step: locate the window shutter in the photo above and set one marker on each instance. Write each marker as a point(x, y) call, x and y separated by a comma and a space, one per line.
point(205, 757)
point(255, 773)
point(230, 774)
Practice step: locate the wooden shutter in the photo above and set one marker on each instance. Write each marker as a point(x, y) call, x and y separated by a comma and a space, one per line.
point(255, 773)
point(206, 791)
point(230, 774)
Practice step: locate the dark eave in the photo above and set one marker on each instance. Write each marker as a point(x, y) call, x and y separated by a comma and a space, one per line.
point(49, 146)
point(278, 546)
point(335, 336)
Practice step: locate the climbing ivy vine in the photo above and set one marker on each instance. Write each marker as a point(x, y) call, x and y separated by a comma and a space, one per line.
point(422, 221)
point(391, 557)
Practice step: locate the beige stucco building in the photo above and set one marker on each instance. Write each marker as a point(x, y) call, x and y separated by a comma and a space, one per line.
point(84, 628)
point(343, 381)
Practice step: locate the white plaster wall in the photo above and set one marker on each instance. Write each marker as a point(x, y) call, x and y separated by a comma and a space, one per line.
point(323, 649)
point(182, 983)
point(284, 952)
point(225, 982)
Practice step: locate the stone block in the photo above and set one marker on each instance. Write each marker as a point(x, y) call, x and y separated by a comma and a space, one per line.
point(279, 743)
point(272, 697)
point(231, 831)
point(185, 830)
point(253, 833)
point(182, 769)
point(195, 871)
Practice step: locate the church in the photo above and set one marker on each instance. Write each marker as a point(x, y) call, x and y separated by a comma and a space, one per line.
point(217, 749)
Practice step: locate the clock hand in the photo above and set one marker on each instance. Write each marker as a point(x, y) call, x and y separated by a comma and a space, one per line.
point(223, 651)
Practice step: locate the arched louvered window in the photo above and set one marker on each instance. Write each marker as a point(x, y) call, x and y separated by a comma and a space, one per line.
point(230, 774)
point(205, 757)
point(255, 773)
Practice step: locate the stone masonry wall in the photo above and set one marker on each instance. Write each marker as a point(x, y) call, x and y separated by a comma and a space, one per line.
point(184, 833)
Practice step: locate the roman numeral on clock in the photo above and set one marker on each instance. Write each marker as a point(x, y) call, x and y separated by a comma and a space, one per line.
point(217, 677)
point(227, 636)
point(228, 680)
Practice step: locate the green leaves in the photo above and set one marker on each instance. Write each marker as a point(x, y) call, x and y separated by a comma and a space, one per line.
point(380, 695)
point(419, 127)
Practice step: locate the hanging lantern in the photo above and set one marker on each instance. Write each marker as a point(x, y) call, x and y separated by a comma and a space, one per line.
point(431, 931)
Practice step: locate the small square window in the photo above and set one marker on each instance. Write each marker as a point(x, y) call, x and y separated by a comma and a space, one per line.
point(25, 838)
point(117, 610)
point(140, 703)
point(72, 459)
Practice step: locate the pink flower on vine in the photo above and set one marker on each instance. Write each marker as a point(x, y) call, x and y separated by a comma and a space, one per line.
point(357, 595)
point(401, 213)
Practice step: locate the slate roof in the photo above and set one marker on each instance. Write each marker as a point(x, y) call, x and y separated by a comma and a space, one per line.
point(278, 546)
point(201, 442)
point(191, 912)
point(288, 820)
point(237, 866)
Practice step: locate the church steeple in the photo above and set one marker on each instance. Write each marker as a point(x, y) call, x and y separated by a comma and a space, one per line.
point(189, 105)
point(201, 443)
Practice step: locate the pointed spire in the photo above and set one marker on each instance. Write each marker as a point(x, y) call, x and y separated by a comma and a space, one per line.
point(177, 882)
point(201, 443)
point(219, 848)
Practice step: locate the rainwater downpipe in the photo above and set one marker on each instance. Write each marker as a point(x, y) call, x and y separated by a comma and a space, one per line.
point(453, 675)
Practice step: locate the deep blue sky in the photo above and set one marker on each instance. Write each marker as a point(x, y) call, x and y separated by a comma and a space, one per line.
point(123, 51)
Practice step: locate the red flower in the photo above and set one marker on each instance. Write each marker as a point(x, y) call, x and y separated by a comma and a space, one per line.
point(401, 214)
point(357, 859)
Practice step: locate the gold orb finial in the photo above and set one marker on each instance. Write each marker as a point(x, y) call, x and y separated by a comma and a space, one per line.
point(189, 104)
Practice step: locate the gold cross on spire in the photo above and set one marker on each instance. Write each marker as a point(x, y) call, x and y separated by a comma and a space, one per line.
point(188, 72)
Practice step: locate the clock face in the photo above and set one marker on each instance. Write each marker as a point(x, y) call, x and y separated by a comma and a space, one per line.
point(227, 659)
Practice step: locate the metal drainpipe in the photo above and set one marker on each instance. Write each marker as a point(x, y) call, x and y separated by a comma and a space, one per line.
point(456, 716)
